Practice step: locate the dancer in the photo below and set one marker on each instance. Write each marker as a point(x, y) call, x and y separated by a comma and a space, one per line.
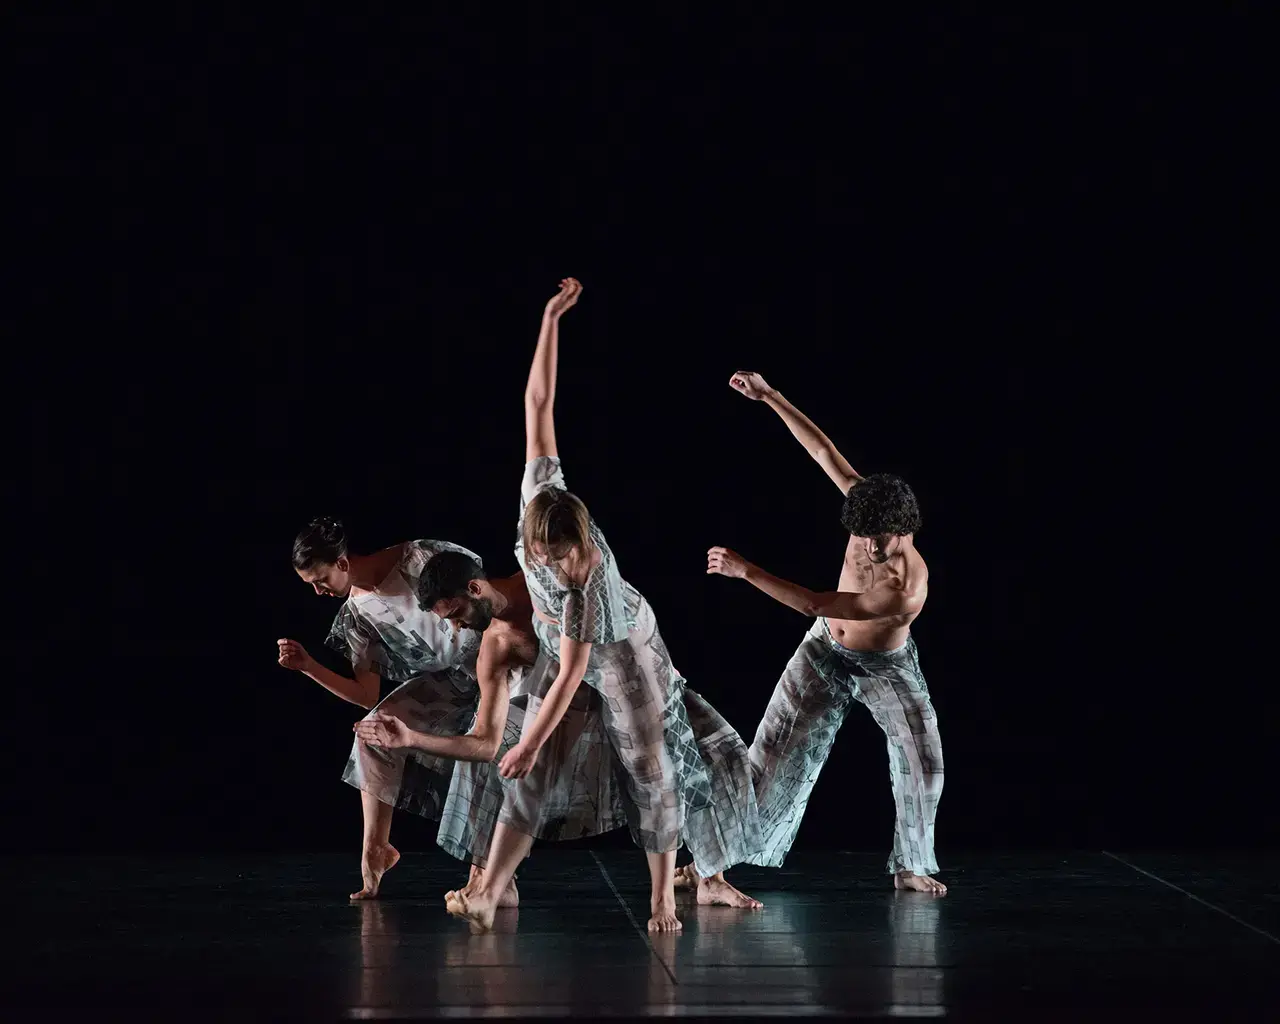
point(385, 633)
point(586, 802)
point(605, 633)
point(859, 648)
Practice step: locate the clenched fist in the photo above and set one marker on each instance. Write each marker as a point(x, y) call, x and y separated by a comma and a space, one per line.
point(565, 298)
point(293, 655)
point(726, 563)
point(755, 387)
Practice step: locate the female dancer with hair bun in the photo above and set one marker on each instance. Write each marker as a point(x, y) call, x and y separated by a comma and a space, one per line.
point(385, 632)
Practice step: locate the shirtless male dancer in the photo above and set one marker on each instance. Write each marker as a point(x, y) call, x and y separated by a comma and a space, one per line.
point(859, 648)
point(501, 612)
point(454, 587)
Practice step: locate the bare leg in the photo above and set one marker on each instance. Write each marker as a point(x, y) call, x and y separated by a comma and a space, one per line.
point(920, 883)
point(378, 856)
point(508, 848)
point(662, 901)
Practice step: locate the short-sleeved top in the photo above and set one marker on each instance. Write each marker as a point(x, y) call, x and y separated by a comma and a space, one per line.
point(389, 632)
point(595, 613)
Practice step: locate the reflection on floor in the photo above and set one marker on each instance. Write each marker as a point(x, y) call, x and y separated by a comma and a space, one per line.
point(1026, 937)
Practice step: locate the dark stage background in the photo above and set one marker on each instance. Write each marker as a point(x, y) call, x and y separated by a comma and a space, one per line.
point(293, 268)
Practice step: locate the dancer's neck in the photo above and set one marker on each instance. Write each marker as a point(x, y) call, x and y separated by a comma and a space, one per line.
point(511, 599)
point(367, 571)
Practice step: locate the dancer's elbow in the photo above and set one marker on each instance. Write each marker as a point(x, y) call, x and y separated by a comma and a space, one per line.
point(487, 747)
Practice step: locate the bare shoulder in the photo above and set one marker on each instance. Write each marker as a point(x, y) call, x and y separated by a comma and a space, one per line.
point(915, 584)
point(495, 649)
point(388, 558)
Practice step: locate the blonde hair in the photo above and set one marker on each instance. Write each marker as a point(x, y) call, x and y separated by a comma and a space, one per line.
point(557, 522)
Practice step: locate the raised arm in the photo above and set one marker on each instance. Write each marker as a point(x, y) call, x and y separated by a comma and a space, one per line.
point(540, 392)
point(815, 442)
point(484, 739)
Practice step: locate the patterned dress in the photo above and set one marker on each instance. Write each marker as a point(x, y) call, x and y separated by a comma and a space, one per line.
point(682, 771)
point(809, 704)
point(387, 631)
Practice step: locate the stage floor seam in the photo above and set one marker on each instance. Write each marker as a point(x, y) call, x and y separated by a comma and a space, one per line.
point(1193, 896)
point(642, 932)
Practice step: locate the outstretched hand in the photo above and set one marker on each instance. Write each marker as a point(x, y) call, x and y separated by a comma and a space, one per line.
point(726, 562)
point(751, 384)
point(383, 730)
point(565, 298)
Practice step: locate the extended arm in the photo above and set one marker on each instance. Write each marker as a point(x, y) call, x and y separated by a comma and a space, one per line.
point(831, 604)
point(362, 690)
point(540, 392)
point(484, 739)
point(574, 655)
point(520, 759)
point(803, 429)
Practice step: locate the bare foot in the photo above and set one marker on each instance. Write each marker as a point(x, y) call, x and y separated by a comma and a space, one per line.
point(475, 909)
point(919, 883)
point(375, 863)
point(510, 896)
point(686, 878)
point(716, 892)
point(664, 916)
point(509, 899)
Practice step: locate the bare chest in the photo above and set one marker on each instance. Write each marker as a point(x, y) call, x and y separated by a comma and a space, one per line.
point(858, 574)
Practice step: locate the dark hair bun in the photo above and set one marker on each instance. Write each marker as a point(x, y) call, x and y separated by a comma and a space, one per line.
point(328, 527)
point(321, 542)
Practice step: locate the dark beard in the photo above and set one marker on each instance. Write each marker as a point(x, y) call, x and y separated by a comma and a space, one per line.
point(481, 614)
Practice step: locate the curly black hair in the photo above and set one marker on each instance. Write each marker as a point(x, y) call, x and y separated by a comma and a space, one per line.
point(880, 504)
point(446, 576)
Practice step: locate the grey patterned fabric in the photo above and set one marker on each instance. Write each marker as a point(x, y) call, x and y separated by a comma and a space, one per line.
point(669, 777)
point(389, 632)
point(799, 726)
point(476, 791)
point(414, 780)
point(573, 790)
point(727, 831)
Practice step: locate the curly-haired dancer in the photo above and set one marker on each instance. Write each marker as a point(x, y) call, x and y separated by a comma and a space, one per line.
point(860, 648)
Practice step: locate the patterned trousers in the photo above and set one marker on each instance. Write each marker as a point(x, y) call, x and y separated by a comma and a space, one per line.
point(799, 726)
